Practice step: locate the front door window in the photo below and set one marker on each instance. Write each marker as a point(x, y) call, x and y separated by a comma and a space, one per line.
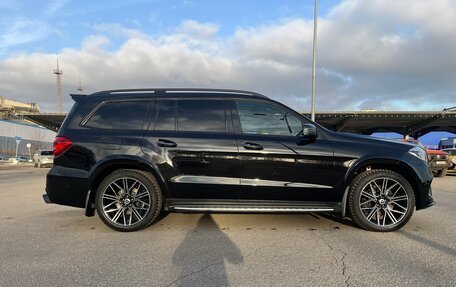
point(264, 119)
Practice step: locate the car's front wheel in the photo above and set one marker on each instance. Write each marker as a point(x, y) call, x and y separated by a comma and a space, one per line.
point(381, 200)
point(440, 173)
point(128, 200)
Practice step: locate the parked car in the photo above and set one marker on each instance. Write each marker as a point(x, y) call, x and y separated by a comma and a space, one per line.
point(43, 158)
point(134, 154)
point(438, 161)
point(21, 159)
point(451, 158)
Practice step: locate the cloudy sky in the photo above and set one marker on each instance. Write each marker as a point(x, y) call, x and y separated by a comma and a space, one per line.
point(384, 55)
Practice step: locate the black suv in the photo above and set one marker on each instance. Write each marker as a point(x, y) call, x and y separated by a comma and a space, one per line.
point(134, 154)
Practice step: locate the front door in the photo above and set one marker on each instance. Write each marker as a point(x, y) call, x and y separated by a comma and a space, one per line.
point(276, 164)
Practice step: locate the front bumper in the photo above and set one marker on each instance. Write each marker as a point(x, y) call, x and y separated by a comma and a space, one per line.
point(421, 181)
point(434, 166)
point(430, 200)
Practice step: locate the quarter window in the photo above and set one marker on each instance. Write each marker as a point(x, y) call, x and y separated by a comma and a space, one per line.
point(265, 119)
point(125, 115)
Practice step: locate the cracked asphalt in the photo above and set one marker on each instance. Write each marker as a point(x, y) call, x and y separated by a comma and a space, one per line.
point(50, 245)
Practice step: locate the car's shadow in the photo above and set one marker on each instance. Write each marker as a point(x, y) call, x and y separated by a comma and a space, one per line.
point(72, 218)
point(304, 221)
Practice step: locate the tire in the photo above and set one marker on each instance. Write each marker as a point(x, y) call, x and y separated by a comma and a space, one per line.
point(440, 173)
point(133, 210)
point(36, 165)
point(380, 200)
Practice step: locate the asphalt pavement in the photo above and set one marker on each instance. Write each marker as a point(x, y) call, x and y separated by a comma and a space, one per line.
point(51, 245)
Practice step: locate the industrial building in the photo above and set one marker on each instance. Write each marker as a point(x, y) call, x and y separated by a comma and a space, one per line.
point(17, 132)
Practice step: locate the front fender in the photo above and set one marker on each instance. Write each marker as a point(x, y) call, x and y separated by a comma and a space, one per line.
point(414, 170)
point(362, 162)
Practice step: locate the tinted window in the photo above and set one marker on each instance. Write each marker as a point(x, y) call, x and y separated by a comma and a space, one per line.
point(165, 120)
point(119, 115)
point(265, 119)
point(200, 116)
point(47, 152)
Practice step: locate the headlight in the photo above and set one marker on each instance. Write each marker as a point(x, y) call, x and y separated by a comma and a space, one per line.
point(419, 153)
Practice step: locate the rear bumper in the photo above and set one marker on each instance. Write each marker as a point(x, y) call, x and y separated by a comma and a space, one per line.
point(66, 186)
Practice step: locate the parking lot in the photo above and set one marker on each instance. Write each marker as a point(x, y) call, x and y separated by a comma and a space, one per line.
point(50, 245)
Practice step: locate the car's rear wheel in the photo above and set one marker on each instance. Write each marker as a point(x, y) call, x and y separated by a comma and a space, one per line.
point(128, 200)
point(381, 200)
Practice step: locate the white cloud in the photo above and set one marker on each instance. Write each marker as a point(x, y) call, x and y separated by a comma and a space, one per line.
point(198, 30)
point(371, 54)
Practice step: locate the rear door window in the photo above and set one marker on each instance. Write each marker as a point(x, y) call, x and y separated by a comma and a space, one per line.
point(166, 116)
point(201, 116)
point(122, 115)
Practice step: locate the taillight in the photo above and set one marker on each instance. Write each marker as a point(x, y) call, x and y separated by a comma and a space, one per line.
point(61, 145)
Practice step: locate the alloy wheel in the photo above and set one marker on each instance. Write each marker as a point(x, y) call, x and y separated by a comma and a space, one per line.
point(384, 202)
point(126, 201)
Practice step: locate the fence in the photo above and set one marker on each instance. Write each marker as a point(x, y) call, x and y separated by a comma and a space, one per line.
point(38, 137)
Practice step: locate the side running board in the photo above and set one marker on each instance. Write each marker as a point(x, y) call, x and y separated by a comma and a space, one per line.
point(249, 207)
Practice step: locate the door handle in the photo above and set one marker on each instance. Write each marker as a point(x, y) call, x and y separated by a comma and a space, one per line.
point(166, 143)
point(252, 146)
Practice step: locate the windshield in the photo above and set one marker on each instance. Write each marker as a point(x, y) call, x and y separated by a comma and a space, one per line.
point(450, 151)
point(47, 152)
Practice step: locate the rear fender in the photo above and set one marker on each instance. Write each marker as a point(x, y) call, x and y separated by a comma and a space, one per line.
point(108, 165)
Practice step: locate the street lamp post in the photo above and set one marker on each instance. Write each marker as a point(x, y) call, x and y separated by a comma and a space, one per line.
point(30, 155)
point(312, 114)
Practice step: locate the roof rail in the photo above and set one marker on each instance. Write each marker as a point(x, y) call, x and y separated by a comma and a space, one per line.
point(184, 90)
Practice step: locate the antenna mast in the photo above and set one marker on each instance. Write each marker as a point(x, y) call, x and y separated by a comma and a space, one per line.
point(80, 88)
point(58, 73)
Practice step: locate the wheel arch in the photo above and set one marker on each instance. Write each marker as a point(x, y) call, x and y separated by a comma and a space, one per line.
point(393, 164)
point(106, 167)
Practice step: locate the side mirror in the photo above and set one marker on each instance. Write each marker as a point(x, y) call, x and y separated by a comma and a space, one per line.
point(309, 131)
point(307, 135)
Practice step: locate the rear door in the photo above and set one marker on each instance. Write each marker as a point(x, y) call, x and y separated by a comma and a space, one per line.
point(193, 144)
point(275, 163)
point(114, 130)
